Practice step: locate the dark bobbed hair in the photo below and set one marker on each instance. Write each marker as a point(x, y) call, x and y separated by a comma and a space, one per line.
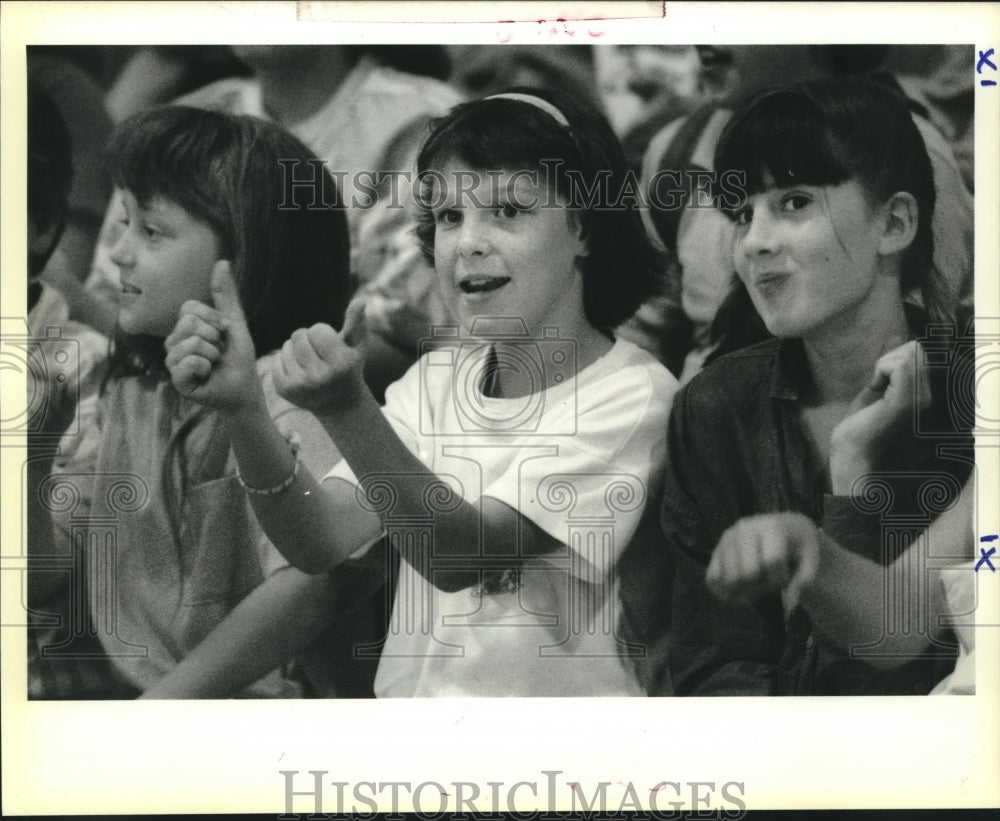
point(827, 132)
point(50, 172)
point(619, 271)
point(289, 249)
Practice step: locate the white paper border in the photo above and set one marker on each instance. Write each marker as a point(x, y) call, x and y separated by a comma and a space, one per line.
point(134, 757)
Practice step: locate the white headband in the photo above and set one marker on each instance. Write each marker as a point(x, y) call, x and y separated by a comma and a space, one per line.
point(537, 102)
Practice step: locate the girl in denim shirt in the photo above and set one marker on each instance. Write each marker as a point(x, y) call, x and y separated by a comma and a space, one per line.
point(800, 469)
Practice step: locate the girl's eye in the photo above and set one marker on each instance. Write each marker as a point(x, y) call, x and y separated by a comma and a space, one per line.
point(795, 202)
point(742, 216)
point(150, 231)
point(509, 211)
point(448, 216)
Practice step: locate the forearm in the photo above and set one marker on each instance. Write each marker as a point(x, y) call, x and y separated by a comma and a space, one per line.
point(313, 526)
point(268, 628)
point(846, 601)
point(468, 537)
point(858, 601)
point(851, 600)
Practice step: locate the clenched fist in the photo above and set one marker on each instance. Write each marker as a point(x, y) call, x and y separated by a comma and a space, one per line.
point(764, 554)
point(210, 353)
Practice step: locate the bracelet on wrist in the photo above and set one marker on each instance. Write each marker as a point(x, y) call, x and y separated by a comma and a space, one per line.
point(293, 442)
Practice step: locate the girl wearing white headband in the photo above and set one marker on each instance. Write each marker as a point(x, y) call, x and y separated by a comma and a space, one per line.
point(513, 465)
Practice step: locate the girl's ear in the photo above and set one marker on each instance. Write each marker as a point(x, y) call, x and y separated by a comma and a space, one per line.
point(900, 229)
point(576, 224)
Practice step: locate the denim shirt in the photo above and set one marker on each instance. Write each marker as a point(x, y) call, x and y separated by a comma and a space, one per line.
point(737, 447)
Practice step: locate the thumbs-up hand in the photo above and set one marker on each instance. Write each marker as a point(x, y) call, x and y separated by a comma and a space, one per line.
point(210, 353)
point(320, 369)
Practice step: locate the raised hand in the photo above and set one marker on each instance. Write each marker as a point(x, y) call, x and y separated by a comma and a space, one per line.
point(762, 554)
point(898, 388)
point(210, 354)
point(320, 369)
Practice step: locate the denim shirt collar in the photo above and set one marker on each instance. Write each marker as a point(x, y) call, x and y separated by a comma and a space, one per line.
point(789, 370)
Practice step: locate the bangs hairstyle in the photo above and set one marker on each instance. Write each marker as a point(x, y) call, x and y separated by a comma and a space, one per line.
point(619, 270)
point(288, 245)
point(828, 132)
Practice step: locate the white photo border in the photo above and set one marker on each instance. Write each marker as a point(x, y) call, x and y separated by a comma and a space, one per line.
point(226, 756)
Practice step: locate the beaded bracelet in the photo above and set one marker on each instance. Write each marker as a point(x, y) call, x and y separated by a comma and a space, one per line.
point(293, 442)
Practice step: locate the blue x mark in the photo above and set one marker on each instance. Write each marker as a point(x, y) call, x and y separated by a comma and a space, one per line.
point(985, 554)
point(984, 59)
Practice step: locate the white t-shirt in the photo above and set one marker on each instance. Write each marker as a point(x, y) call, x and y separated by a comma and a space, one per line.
point(581, 460)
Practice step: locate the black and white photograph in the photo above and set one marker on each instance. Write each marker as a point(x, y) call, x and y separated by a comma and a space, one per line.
point(381, 389)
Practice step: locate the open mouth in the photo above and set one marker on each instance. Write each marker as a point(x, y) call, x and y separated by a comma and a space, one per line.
point(130, 289)
point(482, 285)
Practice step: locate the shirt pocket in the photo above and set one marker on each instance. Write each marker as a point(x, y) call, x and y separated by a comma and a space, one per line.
point(221, 534)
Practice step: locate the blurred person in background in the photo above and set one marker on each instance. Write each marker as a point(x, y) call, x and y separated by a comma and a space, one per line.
point(78, 97)
point(938, 78)
point(644, 86)
point(151, 75)
point(479, 71)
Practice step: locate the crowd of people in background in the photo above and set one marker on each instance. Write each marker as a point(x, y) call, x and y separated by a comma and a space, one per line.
point(388, 426)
